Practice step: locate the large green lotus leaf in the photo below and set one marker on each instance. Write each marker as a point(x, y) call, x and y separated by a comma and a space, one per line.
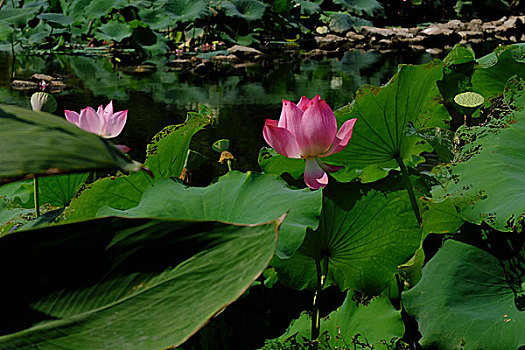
point(99, 8)
point(37, 143)
point(379, 136)
point(364, 234)
point(18, 17)
point(488, 181)
point(360, 6)
point(466, 299)
point(59, 190)
point(495, 69)
point(349, 324)
point(166, 155)
point(249, 198)
point(117, 283)
point(249, 10)
point(185, 10)
point(115, 31)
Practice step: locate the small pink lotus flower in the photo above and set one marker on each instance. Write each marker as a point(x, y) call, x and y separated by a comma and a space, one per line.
point(308, 130)
point(103, 122)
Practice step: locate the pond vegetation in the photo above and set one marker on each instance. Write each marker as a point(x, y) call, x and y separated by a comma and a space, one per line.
point(340, 204)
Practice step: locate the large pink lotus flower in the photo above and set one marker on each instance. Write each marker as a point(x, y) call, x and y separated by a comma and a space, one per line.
point(103, 122)
point(308, 130)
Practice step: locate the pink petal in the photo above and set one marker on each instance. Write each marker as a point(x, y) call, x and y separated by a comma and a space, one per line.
point(290, 119)
point(116, 123)
point(342, 138)
point(123, 148)
point(109, 108)
point(90, 121)
point(327, 167)
point(319, 126)
point(314, 175)
point(281, 140)
point(72, 117)
point(100, 111)
point(303, 103)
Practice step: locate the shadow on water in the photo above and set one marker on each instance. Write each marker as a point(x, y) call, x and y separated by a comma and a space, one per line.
point(241, 101)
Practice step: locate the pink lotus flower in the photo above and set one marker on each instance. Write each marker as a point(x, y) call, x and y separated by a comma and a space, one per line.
point(308, 130)
point(103, 122)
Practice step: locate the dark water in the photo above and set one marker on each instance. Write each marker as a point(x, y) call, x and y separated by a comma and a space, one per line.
point(240, 101)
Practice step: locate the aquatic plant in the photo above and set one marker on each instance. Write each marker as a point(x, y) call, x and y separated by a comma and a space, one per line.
point(308, 130)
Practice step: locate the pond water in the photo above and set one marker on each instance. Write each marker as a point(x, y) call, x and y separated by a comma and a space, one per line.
point(241, 101)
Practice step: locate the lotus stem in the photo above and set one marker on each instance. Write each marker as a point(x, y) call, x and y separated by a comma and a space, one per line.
point(36, 195)
point(316, 319)
point(410, 189)
point(229, 162)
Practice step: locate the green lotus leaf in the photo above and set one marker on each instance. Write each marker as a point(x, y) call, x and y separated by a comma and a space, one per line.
point(249, 198)
point(124, 283)
point(364, 234)
point(115, 31)
point(57, 18)
point(349, 324)
point(166, 155)
point(272, 162)
point(488, 181)
point(18, 17)
point(59, 190)
point(379, 136)
point(495, 69)
point(360, 6)
point(459, 55)
point(249, 10)
point(441, 217)
point(37, 143)
point(468, 299)
point(515, 92)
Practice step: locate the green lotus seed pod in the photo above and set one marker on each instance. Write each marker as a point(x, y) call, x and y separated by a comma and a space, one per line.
point(42, 101)
point(469, 99)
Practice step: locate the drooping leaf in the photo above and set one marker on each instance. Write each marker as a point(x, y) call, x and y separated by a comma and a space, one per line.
point(364, 235)
point(35, 143)
point(379, 135)
point(468, 299)
point(124, 283)
point(248, 198)
point(349, 324)
point(115, 31)
point(498, 196)
point(166, 156)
